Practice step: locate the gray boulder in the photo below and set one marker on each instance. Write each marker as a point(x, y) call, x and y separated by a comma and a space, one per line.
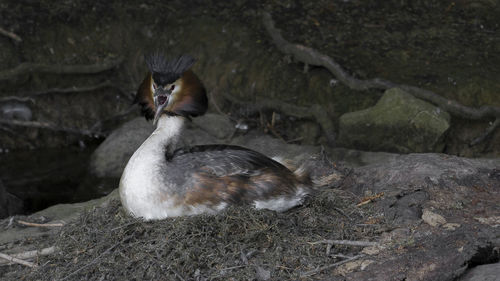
point(486, 272)
point(399, 123)
point(110, 158)
point(216, 125)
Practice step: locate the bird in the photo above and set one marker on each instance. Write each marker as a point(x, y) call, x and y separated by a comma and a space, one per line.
point(162, 181)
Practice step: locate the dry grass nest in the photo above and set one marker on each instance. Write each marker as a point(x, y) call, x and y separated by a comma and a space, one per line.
point(237, 244)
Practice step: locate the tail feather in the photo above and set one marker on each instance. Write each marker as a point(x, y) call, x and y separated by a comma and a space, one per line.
point(304, 173)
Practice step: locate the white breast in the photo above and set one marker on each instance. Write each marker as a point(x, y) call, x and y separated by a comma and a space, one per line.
point(143, 191)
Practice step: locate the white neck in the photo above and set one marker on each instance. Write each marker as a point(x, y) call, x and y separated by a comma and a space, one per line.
point(140, 182)
point(167, 133)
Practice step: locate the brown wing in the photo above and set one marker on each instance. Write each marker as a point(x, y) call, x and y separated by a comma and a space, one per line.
point(211, 174)
point(144, 97)
point(268, 184)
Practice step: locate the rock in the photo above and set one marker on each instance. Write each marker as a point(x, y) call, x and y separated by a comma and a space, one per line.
point(216, 125)
point(398, 122)
point(110, 158)
point(451, 226)
point(353, 265)
point(433, 219)
point(16, 111)
point(486, 272)
point(409, 180)
point(493, 221)
point(428, 183)
point(358, 158)
point(9, 204)
point(61, 213)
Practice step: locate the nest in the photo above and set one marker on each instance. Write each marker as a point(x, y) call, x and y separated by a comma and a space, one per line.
point(239, 243)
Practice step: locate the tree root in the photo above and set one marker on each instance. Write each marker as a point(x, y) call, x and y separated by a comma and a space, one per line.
point(486, 133)
point(29, 67)
point(11, 35)
point(310, 56)
point(50, 126)
point(105, 84)
point(94, 131)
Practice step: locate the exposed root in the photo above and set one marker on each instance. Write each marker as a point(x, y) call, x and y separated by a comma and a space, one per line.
point(102, 85)
point(310, 56)
point(50, 126)
point(30, 67)
point(11, 35)
point(489, 131)
point(95, 130)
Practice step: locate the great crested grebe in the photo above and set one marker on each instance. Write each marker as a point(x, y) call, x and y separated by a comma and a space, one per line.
point(160, 182)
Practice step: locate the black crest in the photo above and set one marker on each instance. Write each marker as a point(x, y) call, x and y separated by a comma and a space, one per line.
point(166, 71)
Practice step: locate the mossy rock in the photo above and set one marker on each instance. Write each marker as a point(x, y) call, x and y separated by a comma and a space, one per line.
point(398, 122)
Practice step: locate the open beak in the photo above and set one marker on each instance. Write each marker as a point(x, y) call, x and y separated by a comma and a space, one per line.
point(161, 99)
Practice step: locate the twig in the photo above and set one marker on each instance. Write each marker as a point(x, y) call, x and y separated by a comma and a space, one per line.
point(29, 67)
point(369, 199)
point(312, 57)
point(16, 260)
point(177, 274)
point(40, 224)
point(50, 126)
point(10, 35)
point(97, 258)
point(346, 243)
point(318, 270)
point(22, 99)
point(340, 256)
point(31, 254)
point(342, 212)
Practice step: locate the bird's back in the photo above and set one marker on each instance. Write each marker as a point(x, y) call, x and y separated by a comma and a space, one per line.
point(215, 174)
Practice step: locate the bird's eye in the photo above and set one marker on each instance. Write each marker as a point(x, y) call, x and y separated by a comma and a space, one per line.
point(154, 86)
point(173, 87)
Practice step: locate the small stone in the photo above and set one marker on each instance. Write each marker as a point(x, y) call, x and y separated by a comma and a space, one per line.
point(365, 264)
point(352, 266)
point(262, 274)
point(433, 219)
point(451, 226)
point(493, 221)
point(371, 250)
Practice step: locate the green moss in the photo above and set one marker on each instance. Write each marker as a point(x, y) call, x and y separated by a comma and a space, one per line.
point(397, 123)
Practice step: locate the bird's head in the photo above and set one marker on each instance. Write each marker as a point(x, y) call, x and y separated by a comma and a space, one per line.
point(170, 87)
